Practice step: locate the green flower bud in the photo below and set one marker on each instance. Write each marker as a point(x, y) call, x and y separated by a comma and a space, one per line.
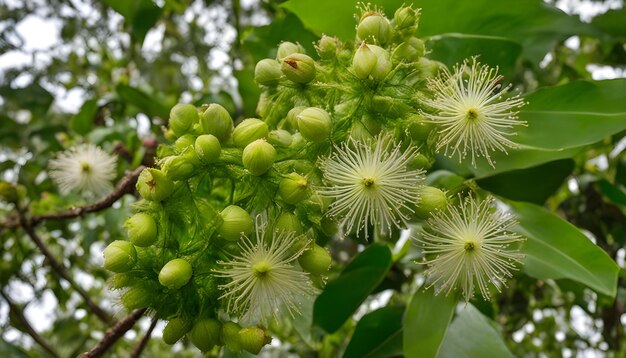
point(374, 27)
point(119, 280)
point(175, 329)
point(137, 297)
point(405, 20)
point(327, 47)
point(429, 68)
point(120, 256)
point(314, 124)
point(315, 260)
point(8, 192)
point(288, 222)
point(409, 51)
point(208, 148)
point(175, 274)
point(235, 222)
point(248, 131)
point(178, 167)
point(230, 336)
point(431, 199)
point(291, 122)
point(217, 121)
point(205, 334)
point(252, 339)
point(390, 106)
point(184, 142)
point(258, 157)
point(293, 188)
point(365, 129)
point(142, 229)
point(383, 64)
point(168, 134)
point(299, 68)
point(267, 72)
point(287, 48)
point(280, 138)
point(420, 161)
point(418, 128)
point(364, 61)
point(182, 118)
point(329, 226)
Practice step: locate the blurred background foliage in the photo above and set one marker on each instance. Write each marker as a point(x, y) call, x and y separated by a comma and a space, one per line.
point(114, 68)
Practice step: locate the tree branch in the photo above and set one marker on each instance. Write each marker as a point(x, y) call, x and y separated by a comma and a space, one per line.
point(114, 334)
point(144, 341)
point(17, 313)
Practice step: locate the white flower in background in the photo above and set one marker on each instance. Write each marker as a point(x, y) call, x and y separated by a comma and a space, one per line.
point(471, 112)
point(469, 246)
point(263, 278)
point(371, 184)
point(85, 168)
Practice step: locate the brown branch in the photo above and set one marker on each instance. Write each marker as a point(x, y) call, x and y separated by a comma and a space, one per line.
point(144, 341)
point(17, 313)
point(62, 272)
point(114, 334)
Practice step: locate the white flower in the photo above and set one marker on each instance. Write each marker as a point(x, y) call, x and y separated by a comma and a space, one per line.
point(371, 184)
point(263, 277)
point(471, 112)
point(470, 245)
point(84, 168)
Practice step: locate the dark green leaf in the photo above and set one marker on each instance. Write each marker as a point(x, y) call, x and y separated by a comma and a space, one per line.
point(142, 101)
point(534, 184)
point(344, 294)
point(140, 15)
point(33, 97)
point(556, 249)
point(82, 122)
point(378, 334)
point(612, 22)
point(472, 335)
point(425, 323)
point(612, 192)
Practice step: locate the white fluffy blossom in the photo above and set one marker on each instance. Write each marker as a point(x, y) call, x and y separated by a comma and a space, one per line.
point(371, 184)
point(263, 278)
point(84, 168)
point(470, 245)
point(470, 110)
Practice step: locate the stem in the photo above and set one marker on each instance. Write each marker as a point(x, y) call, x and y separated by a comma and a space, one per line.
point(114, 334)
point(144, 341)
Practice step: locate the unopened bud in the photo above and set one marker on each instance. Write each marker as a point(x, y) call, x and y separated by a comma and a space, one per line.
point(420, 161)
point(409, 51)
point(293, 188)
point(120, 256)
point(175, 274)
point(185, 141)
point(230, 336)
point(418, 128)
point(217, 121)
point(142, 229)
point(280, 138)
point(383, 64)
point(248, 131)
point(364, 61)
point(137, 297)
point(182, 118)
point(235, 222)
point(299, 68)
point(175, 329)
point(291, 122)
point(287, 48)
point(267, 72)
point(288, 222)
point(374, 28)
point(258, 157)
point(405, 20)
point(315, 260)
point(208, 148)
point(327, 47)
point(314, 124)
point(252, 339)
point(179, 167)
point(205, 334)
point(431, 199)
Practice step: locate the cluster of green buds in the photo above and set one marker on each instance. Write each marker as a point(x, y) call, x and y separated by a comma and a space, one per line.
point(340, 147)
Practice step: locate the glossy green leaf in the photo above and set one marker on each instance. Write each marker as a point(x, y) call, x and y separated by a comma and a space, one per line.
point(140, 15)
point(82, 122)
point(612, 192)
point(556, 249)
point(378, 334)
point(425, 323)
point(493, 51)
point(142, 101)
point(344, 294)
point(534, 184)
point(472, 335)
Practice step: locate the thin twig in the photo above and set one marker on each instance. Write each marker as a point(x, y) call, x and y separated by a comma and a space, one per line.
point(62, 272)
point(17, 313)
point(114, 334)
point(144, 341)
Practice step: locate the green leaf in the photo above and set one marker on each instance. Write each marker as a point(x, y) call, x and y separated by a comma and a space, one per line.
point(472, 335)
point(344, 294)
point(140, 15)
point(33, 97)
point(556, 249)
point(82, 122)
point(425, 323)
point(612, 192)
point(612, 22)
point(378, 334)
point(494, 51)
point(142, 101)
point(534, 184)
